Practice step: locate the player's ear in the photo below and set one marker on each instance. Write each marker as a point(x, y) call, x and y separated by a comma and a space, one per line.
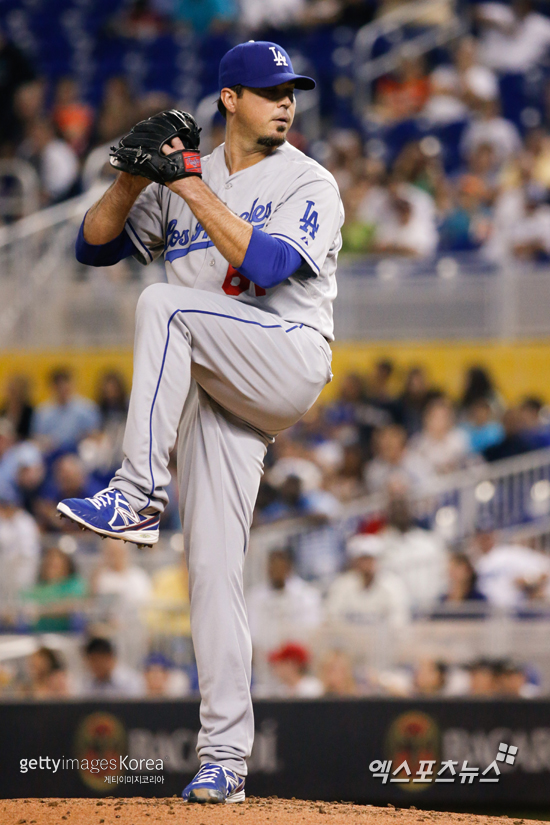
point(229, 99)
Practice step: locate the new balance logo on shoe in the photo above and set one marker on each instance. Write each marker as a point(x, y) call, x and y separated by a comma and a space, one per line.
point(123, 510)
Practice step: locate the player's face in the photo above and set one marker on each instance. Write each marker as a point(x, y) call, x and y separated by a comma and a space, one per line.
point(268, 113)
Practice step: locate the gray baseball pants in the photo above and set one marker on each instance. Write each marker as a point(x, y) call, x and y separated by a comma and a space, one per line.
point(226, 377)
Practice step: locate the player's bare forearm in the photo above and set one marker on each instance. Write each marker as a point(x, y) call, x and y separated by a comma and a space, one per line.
point(106, 218)
point(229, 233)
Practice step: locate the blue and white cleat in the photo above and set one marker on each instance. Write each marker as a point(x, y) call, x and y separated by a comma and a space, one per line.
point(108, 513)
point(214, 783)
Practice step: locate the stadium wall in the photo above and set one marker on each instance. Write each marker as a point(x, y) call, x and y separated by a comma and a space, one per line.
point(519, 368)
point(322, 749)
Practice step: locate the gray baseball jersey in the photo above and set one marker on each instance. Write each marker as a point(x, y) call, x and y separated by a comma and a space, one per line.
point(226, 366)
point(287, 195)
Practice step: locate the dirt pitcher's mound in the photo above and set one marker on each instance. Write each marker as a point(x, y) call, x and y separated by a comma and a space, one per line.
point(138, 811)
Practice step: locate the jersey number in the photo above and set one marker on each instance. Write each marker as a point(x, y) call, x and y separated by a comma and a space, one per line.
point(236, 284)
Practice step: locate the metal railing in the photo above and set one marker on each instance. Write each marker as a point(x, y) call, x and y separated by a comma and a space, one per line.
point(452, 297)
point(48, 299)
point(513, 496)
point(376, 652)
point(506, 495)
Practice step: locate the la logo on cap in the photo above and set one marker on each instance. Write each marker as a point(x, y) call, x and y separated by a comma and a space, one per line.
point(279, 58)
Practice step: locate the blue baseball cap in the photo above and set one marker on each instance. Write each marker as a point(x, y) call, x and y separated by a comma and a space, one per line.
point(259, 64)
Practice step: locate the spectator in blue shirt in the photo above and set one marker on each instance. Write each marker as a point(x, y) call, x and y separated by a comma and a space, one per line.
point(480, 426)
point(68, 479)
point(20, 462)
point(59, 424)
point(202, 15)
point(513, 441)
point(467, 224)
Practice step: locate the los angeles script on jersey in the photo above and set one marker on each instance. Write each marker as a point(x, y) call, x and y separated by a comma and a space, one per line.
point(178, 243)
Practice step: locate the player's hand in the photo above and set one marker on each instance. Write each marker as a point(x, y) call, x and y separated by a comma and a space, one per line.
point(172, 146)
point(181, 186)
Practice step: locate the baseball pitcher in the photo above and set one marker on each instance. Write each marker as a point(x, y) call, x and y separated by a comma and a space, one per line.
point(229, 352)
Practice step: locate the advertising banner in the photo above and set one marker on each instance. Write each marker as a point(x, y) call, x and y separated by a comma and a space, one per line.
point(376, 751)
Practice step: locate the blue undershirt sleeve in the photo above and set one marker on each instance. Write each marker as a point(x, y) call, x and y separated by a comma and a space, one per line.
point(269, 261)
point(104, 254)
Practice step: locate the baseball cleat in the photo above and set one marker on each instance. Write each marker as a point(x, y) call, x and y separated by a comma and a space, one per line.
point(214, 783)
point(109, 514)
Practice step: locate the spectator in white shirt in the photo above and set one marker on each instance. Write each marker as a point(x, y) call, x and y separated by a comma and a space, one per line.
point(118, 578)
point(406, 228)
point(521, 223)
point(284, 606)
point(489, 127)
point(515, 38)
point(394, 462)
point(365, 594)
point(56, 161)
point(415, 556)
point(123, 590)
point(443, 445)
point(290, 664)
point(455, 87)
point(19, 547)
point(278, 14)
point(507, 572)
point(530, 235)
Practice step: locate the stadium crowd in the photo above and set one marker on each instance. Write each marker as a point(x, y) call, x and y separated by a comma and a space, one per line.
point(449, 152)
point(385, 434)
